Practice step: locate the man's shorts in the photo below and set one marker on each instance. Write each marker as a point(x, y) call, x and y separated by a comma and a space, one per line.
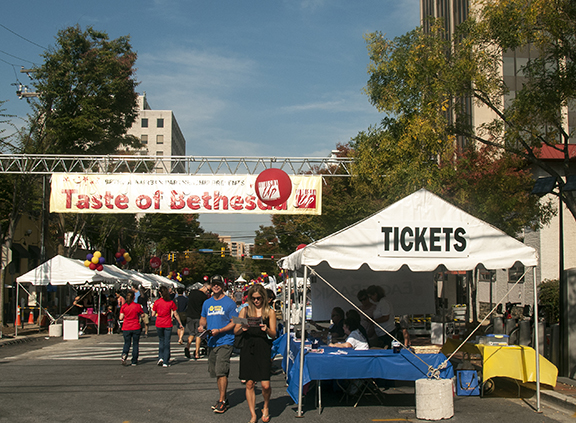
point(182, 315)
point(146, 318)
point(192, 326)
point(219, 360)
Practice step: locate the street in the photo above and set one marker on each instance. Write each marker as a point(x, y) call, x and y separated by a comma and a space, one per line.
point(50, 380)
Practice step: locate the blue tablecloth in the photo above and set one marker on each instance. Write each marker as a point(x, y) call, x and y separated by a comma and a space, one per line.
point(351, 364)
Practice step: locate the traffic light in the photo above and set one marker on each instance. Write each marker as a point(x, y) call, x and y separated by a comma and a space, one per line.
point(223, 252)
point(187, 254)
point(243, 257)
point(171, 257)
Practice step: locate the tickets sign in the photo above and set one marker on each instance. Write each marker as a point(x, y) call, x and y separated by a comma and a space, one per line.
point(159, 193)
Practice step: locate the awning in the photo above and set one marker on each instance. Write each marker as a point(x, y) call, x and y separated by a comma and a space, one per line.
point(19, 250)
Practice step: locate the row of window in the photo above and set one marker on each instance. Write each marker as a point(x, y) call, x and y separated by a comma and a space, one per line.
point(159, 123)
point(159, 139)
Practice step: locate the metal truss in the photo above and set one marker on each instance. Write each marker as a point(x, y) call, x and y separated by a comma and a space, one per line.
point(188, 165)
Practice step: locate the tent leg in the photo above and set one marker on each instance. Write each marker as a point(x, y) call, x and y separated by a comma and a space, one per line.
point(536, 337)
point(302, 341)
point(17, 310)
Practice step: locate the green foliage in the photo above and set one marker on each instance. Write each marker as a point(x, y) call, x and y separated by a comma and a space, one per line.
point(88, 98)
point(426, 82)
point(549, 300)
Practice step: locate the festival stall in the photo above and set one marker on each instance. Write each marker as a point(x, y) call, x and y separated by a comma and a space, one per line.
point(400, 248)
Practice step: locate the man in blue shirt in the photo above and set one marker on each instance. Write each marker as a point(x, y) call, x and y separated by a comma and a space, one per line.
point(216, 317)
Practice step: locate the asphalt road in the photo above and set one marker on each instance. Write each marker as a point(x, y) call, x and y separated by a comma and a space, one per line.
point(50, 380)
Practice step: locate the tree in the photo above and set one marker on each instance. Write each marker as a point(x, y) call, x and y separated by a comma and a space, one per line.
point(425, 80)
point(87, 92)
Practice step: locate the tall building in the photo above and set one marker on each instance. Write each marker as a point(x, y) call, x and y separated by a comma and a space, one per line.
point(546, 240)
point(159, 133)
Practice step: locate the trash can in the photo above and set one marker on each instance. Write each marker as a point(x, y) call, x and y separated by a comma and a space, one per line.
point(70, 327)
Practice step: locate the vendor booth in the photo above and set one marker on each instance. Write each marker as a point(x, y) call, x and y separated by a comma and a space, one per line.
point(400, 248)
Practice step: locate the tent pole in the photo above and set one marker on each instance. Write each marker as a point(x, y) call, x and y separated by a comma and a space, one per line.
point(99, 308)
point(302, 341)
point(17, 310)
point(536, 339)
point(287, 316)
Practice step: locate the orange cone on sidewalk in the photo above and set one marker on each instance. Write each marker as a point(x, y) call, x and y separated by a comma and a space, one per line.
point(18, 317)
point(31, 317)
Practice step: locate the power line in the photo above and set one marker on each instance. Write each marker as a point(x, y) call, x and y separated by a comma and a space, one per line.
point(25, 39)
point(16, 57)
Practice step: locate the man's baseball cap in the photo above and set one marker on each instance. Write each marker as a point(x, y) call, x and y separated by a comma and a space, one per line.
point(217, 279)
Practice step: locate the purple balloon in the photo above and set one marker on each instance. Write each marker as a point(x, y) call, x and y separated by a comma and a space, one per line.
point(101, 260)
point(89, 257)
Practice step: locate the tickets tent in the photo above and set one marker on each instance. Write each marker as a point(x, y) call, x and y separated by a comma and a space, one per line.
point(401, 247)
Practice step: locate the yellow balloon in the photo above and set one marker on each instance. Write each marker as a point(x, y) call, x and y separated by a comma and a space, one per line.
point(128, 259)
point(126, 255)
point(95, 260)
point(87, 263)
point(97, 254)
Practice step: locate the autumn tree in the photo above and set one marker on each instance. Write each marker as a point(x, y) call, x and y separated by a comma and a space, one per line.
point(426, 81)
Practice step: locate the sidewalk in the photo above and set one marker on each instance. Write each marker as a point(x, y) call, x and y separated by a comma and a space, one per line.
point(29, 333)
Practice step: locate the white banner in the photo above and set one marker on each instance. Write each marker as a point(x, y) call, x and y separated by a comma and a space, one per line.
point(169, 193)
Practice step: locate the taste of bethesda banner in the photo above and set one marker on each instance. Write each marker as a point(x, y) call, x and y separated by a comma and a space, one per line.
point(169, 193)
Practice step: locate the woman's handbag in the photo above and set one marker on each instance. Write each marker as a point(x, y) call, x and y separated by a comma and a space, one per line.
point(239, 341)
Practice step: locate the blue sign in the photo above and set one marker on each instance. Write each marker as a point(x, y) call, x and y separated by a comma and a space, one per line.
point(257, 257)
point(206, 250)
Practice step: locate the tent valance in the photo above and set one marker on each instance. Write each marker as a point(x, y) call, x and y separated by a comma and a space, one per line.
point(421, 231)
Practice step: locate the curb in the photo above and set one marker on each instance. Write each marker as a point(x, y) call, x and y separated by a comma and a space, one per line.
point(21, 339)
point(558, 400)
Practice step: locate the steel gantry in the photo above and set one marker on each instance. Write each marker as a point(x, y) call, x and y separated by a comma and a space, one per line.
point(190, 165)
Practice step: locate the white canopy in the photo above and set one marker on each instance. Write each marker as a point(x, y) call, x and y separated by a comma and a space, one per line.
point(162, 280)
point(421, 231)
point(61, 270)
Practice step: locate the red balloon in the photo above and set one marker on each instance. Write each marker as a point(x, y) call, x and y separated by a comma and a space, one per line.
point(92, 266)
point(273, 187)
point(155, 262)
point(99, 267)
point(118, 255)
point(300, 247)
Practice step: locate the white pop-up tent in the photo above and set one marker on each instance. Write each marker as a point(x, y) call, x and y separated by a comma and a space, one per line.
point(400, 247)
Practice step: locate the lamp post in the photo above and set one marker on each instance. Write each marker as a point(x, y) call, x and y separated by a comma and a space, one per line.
point(542, 187)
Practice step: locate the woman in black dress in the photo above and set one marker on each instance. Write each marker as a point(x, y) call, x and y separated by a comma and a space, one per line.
point(255, 353)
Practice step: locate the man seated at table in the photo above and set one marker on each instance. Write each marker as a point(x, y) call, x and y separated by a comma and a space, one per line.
point(354, 338)
point(336, 330)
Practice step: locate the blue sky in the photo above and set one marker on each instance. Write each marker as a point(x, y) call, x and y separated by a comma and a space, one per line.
point(266, 78)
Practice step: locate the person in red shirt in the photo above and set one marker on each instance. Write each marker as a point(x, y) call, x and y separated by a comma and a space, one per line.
point(165, 310)
point(131, 313)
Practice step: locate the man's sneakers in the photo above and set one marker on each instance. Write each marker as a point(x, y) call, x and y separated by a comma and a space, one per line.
point(160, 362)
point(221, 406)
point(124, 360)
point(187, 352)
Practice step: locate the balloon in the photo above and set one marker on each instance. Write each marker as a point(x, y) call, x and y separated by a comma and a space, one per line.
point(89, 256)
point(300, 246)
point(129, 259)
point(97, 254)
point(118, 255)
point(95, 260)
point(101, 260)
point(125, 255)
point(122, 251)
point(87, 263)
point(273, 187)
point(92, 266)
point(99, 267)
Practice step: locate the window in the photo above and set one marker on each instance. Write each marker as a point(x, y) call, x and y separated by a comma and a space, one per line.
point(159, 153)
point(144, 139)
point(515, 272)
point(159, 139)
point(144, 123)
point(160, 123)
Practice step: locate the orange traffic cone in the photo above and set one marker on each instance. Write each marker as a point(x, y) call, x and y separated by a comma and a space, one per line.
point(18, 317)
point(31, 317)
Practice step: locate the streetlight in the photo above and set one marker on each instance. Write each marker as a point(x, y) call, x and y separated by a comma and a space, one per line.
point(542, 187)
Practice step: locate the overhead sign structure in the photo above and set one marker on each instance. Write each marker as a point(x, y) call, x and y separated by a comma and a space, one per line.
point(169, 193)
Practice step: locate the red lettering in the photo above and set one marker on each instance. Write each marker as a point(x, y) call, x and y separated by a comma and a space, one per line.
point(206, 201)
point(263, 206)
point(83, 202)
point(177, 201)
point(121, 202)
point(157, 196)
point(250, 204)
point(69, 193)
point(236, 202)
point(96, 202)
point(108, 200)
point(143, 202)
point(220, 198)
point(193, 202)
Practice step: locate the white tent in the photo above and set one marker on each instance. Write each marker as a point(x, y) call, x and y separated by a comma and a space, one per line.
point(401, 246)
point(162, 280)
point(61, 270)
